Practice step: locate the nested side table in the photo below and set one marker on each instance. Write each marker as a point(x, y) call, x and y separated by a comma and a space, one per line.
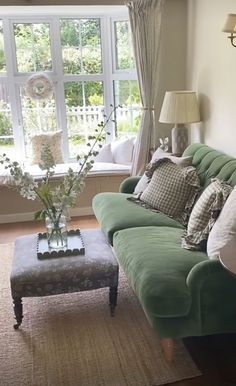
point(32, 277)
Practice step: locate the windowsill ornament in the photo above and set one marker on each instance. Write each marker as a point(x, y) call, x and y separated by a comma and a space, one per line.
point(164, 143)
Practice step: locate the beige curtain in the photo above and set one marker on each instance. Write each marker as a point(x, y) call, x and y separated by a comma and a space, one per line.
point(145, 20)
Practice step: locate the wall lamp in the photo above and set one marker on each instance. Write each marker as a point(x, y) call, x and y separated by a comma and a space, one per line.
point(230, 27)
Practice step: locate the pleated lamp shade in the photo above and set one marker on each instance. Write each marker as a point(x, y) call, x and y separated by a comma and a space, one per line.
point(180, 107)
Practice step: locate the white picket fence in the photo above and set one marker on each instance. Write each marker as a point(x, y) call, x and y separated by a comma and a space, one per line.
point(89, 117)
point(81, 121)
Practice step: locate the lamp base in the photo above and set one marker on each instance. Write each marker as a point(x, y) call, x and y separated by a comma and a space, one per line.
point(179, 137)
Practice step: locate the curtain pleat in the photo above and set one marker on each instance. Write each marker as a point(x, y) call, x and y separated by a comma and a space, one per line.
point(145, 21)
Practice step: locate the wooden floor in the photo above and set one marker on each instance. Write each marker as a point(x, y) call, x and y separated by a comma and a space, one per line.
point(214, 355)
point(8, 232)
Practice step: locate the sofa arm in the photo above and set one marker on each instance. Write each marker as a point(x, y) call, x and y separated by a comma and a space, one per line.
point(204, 271)
point(212, 289)
point(128, 185)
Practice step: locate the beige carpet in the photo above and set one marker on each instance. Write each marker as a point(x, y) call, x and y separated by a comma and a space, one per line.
point(71, 340)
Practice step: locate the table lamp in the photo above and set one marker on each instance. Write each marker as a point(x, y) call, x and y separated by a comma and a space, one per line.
point(179, 107)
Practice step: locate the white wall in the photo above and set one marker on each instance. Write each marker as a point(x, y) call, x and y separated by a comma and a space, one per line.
point(211, 71)
point(173, 56)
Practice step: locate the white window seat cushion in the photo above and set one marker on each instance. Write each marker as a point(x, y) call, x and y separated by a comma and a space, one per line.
point(99, 169)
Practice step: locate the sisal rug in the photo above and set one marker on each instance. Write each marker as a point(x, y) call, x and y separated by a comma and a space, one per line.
point(71, 340)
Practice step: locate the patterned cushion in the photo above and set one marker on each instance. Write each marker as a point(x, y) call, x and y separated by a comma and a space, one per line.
point(53, 140)
point(205, 213)
point(172, 189)
point(159, 154)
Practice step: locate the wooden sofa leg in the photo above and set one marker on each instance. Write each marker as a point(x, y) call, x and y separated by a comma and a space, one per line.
point(167, 347)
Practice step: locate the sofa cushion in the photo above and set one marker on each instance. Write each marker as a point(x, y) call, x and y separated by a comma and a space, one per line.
point(159, 154)
point(205, 213)
point(51, 139)
point(172, 189)
point(224, 229)
point(114, 212)
point(157, 267)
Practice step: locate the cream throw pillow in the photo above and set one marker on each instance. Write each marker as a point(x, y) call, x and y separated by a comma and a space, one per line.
point(105, 154)
point(122, 151)
point(224, 229)
point(51, 139)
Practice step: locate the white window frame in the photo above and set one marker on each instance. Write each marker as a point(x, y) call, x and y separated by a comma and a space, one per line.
point(14, 79)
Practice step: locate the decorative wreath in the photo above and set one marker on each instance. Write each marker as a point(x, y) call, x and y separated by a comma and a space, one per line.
point(39, 86)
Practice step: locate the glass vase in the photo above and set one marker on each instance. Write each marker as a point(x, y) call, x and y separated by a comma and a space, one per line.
point(56, 230)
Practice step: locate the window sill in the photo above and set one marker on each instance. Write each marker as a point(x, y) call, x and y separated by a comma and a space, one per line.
point(99, 169)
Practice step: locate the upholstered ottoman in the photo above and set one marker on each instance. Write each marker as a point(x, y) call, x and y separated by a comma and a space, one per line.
point(31, 277)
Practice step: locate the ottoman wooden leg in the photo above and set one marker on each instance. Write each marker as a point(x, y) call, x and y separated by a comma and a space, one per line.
point(113, 299)
point(18, 311)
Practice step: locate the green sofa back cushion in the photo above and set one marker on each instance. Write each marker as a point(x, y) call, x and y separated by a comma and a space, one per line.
point(211, 163)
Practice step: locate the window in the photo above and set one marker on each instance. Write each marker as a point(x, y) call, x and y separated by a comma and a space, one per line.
point(123, 57)
point(81, 46)
point(6, 131)
point(32, 44)
point(90, 62)
point(2, 53)
point(126, 91)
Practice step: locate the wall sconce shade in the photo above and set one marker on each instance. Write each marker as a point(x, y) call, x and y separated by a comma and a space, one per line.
point(179, 107)
point(230, 27)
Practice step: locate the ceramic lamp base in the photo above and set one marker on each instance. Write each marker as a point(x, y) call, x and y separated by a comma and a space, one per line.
point(179, 137)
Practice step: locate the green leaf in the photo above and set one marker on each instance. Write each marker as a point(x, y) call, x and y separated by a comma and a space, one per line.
point(40, 214)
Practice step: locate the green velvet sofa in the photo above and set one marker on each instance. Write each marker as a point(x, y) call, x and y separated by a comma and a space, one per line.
point(182, 292)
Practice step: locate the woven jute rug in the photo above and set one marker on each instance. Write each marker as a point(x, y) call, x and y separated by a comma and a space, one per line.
point(71, 340)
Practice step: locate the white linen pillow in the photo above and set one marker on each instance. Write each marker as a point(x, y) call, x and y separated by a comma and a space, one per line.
point(159, 154)
point(51, 139)
point(123, 151)
point(224, 229)
point(105, 154)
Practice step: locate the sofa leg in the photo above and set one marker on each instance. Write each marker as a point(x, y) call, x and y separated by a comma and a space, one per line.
point(167, 347)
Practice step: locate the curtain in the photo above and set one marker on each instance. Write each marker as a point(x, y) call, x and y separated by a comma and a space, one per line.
point(145, 21)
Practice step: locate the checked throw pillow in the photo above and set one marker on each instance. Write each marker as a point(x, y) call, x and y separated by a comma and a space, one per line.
point(204, 214)
point(172, 189)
